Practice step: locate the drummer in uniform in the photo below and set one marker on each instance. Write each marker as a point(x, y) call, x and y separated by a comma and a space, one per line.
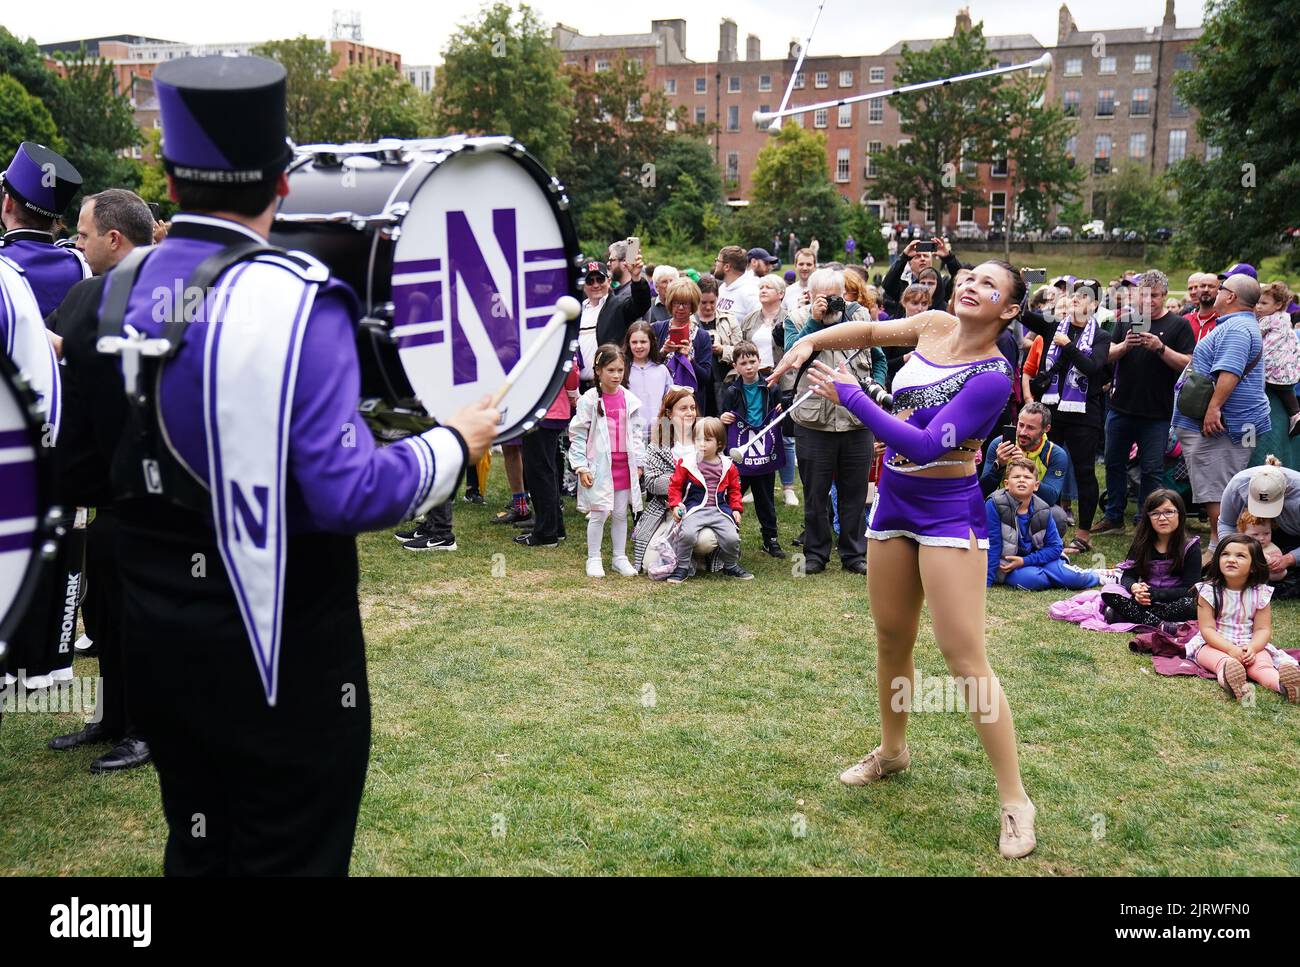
point(228, 433)
point(37, 186)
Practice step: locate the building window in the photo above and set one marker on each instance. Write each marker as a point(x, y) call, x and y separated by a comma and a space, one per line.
point(701, 85)
point(733, 85)
point(1182, 61)
point(1141, 63)
point(1106, 102)
point(966, 213)
point(842, 165)
point(764, 108)
point(846, 78)
point(799, 81)
point(876, 111)
point(999, 167)
point(845, 118)
point(876, 75)
point(1099, 205)
point(700, 115)
point(822, 79)
point(1074, 67)
point(1141, 103)
point(733, 166)
point(968, 167)
point(1070, 103)
point(1177, 107)
point(1137, 145)
point(873, 149)
point(997, 207)
point(1106, 65)
point(764, 82)
point(601, 66)
point(1213, 152)
point(1072, 147)
point(819, 118)
point(1101, 155)
point(733, 117)
point(796, 120)
point(670, 86)
point(1177, 146)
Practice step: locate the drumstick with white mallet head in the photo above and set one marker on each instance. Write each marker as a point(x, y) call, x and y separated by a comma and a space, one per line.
point(873, 389)
point(567, 308)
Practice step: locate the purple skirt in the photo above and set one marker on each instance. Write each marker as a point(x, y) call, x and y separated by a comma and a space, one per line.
point(935, 511)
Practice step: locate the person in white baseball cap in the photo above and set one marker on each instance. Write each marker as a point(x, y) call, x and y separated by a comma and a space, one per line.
point(1270, 492)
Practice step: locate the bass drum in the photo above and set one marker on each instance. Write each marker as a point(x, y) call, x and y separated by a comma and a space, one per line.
point(27, 520)
point(459, 249)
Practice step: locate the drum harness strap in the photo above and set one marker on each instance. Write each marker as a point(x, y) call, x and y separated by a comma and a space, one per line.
point(142, 357)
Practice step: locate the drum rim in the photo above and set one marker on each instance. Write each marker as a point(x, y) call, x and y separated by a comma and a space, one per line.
point(48, 512)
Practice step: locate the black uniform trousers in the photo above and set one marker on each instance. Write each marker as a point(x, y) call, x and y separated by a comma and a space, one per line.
point(844, 459)
point(102, 612)
point(249, 789)
point(545, 481)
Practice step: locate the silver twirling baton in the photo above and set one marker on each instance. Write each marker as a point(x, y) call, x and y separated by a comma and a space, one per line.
point(770, 120)
point(567, 308)
point(878, 394)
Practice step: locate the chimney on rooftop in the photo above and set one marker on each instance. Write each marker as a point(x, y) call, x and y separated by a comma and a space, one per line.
point(752, 51)
point(727, 41)
point(963, 20)
point(1169, 14)
point(676, 27)
point(1064, 25)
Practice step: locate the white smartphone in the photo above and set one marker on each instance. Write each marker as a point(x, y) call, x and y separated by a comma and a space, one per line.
point(633, 248)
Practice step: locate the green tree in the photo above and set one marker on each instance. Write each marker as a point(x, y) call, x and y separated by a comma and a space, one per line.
point(24, 118)
point(1040, 176)
point(948, 127)
point(97, 124)
point(377, 102)
point(1245, 89)
point(310, 95)
point(864, 226)
point(620, 147)
point(792, 192)
point(23, 61)
point(153, 177)
point(1138, 200)
point(501, 75)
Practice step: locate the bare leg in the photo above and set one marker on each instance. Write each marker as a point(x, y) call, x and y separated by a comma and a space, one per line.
point(894, 586)
point(954, 582)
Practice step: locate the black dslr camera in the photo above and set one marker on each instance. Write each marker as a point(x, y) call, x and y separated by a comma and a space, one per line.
point(835, 305)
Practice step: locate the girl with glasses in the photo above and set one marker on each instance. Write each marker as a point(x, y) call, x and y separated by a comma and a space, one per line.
point(1158, 581)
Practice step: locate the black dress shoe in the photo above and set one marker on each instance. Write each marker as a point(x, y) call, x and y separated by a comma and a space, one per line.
point(127, 754)
point(93, 732)
point(511, 516)
point(814, 567)
point(857, 567)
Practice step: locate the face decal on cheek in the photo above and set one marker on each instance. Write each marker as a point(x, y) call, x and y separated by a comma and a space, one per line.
point(995, 296)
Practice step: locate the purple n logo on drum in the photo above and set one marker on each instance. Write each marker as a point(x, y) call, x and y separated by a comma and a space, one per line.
point(419, 309)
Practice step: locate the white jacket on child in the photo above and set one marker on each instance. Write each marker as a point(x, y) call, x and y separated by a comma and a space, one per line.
point(590, 449)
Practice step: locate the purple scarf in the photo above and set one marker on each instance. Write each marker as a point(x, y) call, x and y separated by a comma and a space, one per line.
point(1069, 391)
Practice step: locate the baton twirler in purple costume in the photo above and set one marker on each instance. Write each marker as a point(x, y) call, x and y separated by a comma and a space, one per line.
point(224, 384)
point(38, 185)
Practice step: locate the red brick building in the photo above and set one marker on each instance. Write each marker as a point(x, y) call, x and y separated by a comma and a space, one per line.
point(1117, 82)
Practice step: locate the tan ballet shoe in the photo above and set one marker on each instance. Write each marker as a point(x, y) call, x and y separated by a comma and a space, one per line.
point(1017, 837)
point(875, 765)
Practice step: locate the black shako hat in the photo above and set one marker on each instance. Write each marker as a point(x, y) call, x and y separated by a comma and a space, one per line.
point(40, 179)
point(223, 119)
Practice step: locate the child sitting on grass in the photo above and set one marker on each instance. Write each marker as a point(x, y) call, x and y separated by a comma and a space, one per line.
point(705, 492)
point(1236, 623)
point(1024, 544)
point(750, 401)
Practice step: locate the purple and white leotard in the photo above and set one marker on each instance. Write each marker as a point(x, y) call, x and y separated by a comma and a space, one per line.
point(949, 405)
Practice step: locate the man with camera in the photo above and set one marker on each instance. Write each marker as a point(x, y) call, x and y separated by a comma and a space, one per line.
point(832, 444)
point(1148, 350)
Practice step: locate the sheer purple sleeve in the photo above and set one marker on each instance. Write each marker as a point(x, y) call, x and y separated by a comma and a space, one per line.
point(968, 414)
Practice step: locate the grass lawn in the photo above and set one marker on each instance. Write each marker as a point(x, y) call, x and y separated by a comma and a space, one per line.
point(528, 719)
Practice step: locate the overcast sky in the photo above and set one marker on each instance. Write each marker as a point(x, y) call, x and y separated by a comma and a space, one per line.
point(419, 31)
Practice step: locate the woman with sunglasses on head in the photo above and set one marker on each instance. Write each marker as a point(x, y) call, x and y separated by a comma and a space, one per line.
point(928, 529)
point(1164, 563)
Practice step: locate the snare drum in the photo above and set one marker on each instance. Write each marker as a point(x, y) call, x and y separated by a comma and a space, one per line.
point(27, 520)
point(458, 248)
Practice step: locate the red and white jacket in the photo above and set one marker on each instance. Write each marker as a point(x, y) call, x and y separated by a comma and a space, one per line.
point(687, 487)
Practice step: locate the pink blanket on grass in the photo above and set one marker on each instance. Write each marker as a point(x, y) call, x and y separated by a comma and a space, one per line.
point(1087, 610)
point(1169, 655)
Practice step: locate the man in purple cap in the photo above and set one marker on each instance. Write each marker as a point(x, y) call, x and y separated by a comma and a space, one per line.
point(37, 186)
point(222, 381)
